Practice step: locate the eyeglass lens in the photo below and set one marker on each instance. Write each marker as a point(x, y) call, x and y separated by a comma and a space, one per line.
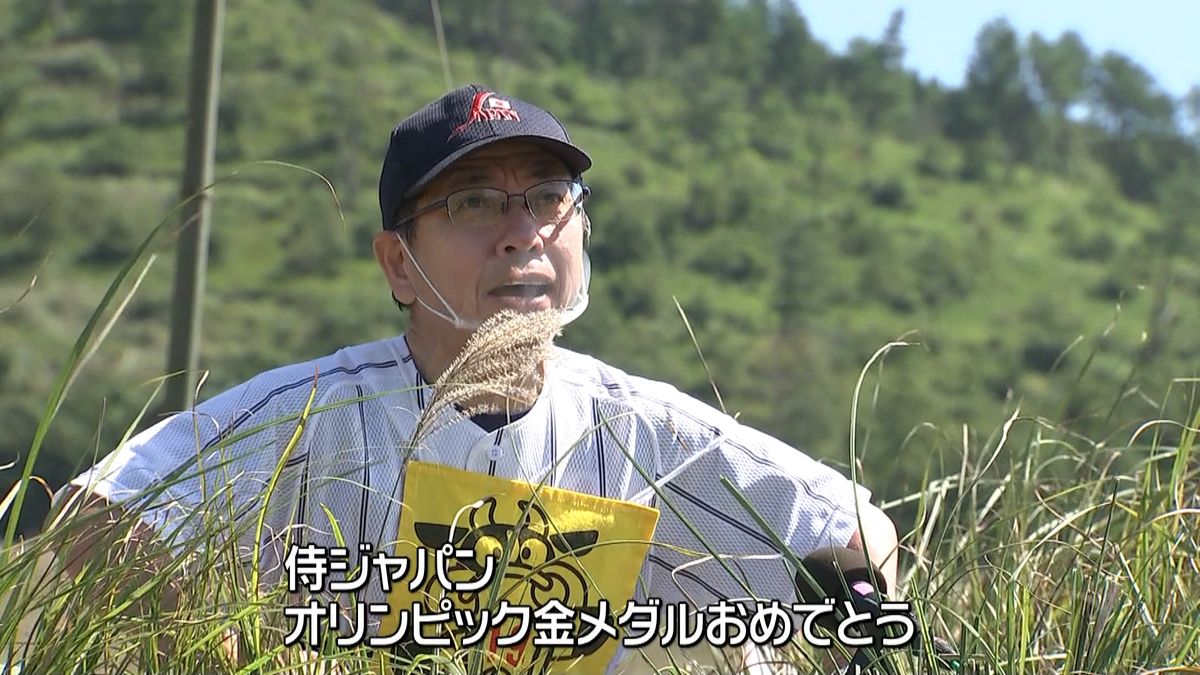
point(551, 201)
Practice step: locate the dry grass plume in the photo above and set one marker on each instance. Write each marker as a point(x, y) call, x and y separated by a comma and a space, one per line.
point(498, 370)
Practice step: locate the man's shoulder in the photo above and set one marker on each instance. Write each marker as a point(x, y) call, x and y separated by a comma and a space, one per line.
point(653, 398)
point(368, 363)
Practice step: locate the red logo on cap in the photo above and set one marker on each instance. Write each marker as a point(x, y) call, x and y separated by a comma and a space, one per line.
point(487, 106)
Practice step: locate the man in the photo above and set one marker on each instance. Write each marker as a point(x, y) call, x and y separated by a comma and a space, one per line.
point(482, 204)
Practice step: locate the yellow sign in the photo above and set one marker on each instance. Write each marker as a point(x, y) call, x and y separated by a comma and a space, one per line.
point(554, 555)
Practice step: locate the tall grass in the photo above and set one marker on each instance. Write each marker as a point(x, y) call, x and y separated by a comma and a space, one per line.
point(1034, 551)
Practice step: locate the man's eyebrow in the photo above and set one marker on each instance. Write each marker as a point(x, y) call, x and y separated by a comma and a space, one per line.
point(549, 168)
point(466, 175)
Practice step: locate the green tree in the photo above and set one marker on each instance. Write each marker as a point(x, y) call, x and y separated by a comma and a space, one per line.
point(805, 253)
point(1127, 101)
point(797, 60)
point(155, 32)
point(613, 42)
point(1142, 146)
point(1191, 113)
point(997, 90)
point(1061, 68)
point(1179, 204)
point(872, 76)
point(746, 46)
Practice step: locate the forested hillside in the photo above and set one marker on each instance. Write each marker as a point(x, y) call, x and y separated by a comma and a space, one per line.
point(1031, 234)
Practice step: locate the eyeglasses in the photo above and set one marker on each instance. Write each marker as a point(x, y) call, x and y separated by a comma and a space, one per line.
point(478, 208)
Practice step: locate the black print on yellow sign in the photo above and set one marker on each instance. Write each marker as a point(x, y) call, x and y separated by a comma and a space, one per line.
point(552, 553)
point(534, 558)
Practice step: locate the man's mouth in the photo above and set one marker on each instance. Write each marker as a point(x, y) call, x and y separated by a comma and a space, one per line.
point(521, 290)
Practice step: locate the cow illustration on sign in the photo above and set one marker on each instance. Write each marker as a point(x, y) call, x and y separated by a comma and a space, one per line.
point(541, 566)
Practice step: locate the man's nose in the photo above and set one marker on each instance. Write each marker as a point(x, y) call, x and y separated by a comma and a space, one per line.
point(521, 231)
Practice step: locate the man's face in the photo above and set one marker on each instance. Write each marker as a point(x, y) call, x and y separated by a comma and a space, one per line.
point(515, 263)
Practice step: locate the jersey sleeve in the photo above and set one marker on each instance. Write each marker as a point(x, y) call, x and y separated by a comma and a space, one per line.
point(712, 546)
point(205, 468)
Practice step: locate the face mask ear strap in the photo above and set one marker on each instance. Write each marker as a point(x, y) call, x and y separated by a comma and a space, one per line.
point(580, 302)
point(452, 316)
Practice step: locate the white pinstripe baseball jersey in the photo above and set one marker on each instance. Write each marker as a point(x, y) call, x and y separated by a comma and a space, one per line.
point(586, 430)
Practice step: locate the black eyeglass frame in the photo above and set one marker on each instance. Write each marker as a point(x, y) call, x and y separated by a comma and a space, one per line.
point(444, 203)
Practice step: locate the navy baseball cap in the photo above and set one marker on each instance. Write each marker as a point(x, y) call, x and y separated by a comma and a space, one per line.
point(464, 120)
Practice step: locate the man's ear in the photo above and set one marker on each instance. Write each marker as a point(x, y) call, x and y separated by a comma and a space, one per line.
point(391, 253)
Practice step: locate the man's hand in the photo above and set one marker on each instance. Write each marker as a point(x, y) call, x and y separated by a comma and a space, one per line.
point(878, 533)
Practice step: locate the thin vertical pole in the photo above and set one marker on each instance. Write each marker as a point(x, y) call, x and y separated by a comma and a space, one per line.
point(192, 255)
